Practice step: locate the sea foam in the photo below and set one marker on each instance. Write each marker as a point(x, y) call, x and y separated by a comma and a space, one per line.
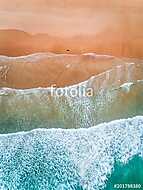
point(68, 159)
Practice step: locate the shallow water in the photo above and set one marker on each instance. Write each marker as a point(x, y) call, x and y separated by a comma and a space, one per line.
point(22, 111)
point(81, 143)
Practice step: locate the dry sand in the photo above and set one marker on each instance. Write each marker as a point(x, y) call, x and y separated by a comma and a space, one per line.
point(113, 27)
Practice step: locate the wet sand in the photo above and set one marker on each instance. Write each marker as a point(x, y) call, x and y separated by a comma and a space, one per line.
point(47, 69)
point(113, 41)
point(69, 30)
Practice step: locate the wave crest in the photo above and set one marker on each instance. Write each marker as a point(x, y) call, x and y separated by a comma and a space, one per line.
point(77, 158)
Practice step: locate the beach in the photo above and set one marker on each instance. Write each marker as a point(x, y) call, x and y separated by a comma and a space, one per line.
point(71, 95)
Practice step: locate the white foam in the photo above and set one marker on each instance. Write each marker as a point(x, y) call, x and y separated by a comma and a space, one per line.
point(126, 86)
point(84, 156)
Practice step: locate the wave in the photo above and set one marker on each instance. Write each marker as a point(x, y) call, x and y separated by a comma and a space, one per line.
point(29, 109)
point(68, 159)
point(46, 69)
point(61, 149)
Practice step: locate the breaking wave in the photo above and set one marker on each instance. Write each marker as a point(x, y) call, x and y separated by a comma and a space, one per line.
point(31, 109)
point(63, 142)
point(68, 159)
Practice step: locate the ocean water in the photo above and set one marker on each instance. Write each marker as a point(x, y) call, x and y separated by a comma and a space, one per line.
point(130, 173)
point(75, 143)
point(72, 158)
point(36, 108)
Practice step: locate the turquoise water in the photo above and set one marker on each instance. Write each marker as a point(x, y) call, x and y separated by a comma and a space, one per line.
point(82, 143)
point(131, 173)
point(71, 158)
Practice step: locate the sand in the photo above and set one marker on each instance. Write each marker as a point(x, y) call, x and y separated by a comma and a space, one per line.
point(113, 27)
point(47, 69)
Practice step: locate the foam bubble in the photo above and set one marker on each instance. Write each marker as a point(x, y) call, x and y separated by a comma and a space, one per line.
point(73, 158)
